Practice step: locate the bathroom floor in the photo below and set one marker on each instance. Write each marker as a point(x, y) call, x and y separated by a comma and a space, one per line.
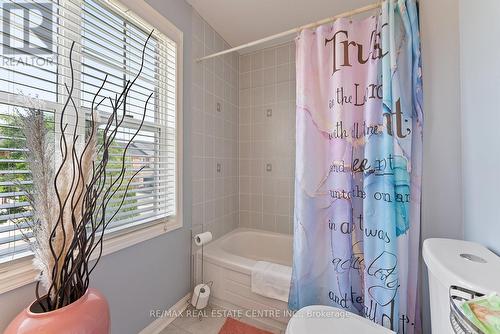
point(208, 322)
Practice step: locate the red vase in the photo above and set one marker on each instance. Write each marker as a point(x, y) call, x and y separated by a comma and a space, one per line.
point(87, 315)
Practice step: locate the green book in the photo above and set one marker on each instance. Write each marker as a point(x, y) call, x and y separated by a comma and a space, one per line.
point(484, 312)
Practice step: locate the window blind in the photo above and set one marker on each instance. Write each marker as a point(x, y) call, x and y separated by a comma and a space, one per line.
point(114, 42)
point(109, 41)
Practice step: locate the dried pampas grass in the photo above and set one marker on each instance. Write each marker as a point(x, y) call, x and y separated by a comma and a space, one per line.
point(69, 197)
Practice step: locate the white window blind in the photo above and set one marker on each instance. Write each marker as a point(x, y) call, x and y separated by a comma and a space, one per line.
point(114, 43)
point(108, 41)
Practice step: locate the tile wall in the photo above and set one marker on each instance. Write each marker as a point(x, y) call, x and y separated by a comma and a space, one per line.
point(214, 133)
point(267, 138)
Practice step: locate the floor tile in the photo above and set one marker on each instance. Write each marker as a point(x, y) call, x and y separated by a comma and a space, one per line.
point(171, 329)
point(196, 322)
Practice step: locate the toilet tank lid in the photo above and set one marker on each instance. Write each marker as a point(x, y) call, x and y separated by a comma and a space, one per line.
point(464, 263)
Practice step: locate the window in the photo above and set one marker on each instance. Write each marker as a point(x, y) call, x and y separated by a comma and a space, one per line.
point(109, 40)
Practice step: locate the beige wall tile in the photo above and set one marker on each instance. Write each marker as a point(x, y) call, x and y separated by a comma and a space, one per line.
point(266, 136)
point(215, 134)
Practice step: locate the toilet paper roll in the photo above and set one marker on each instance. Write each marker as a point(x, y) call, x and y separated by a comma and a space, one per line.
point(201, 294)
point(203, 238)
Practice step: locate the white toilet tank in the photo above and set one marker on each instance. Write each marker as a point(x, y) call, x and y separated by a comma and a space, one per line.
point(456, 262)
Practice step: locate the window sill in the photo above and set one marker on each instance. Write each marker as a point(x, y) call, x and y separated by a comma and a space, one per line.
point(20, 272)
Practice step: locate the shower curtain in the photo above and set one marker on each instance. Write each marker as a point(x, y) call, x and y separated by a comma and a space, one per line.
point(358, 167)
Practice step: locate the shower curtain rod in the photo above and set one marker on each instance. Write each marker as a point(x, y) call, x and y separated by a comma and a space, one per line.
point(294, 30)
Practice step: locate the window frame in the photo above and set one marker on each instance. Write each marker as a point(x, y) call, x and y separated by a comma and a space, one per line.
point(19, 272)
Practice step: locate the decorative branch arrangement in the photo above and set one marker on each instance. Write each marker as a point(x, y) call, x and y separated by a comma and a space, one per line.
point(70, 201)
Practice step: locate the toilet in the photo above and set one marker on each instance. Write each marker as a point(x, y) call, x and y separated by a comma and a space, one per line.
point(320, 319)
point(460, 263)
point(449, 262)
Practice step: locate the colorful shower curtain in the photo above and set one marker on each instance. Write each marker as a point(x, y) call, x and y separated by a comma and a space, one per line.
point(358, 167)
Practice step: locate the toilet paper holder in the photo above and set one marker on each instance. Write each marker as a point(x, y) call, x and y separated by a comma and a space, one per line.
point(201, 295)
point(201, 292)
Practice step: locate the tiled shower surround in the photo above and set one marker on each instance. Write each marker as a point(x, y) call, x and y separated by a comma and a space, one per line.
point(267, 138)
point(214, 133)
point(243, 133)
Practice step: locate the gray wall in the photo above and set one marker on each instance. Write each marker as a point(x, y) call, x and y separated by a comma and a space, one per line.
point(441, 184)
point(480, 80)
point(153, 274)
point(442, 187)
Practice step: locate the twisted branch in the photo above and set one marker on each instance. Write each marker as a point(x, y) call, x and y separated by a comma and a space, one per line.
point(82, 194)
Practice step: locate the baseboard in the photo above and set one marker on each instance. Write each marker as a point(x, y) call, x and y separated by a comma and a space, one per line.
point(162, 322)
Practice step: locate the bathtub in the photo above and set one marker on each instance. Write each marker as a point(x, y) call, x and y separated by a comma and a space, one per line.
point(228, 263)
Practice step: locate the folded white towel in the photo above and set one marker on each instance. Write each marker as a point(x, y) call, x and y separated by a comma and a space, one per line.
point(271, 280)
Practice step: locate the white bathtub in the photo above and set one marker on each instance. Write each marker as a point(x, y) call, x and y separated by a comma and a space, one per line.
point(228, 263)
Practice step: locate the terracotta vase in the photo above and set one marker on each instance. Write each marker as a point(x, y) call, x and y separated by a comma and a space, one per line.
point(87, 315)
